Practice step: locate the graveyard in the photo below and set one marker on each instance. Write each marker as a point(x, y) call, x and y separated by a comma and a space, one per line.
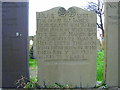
point(65, 52)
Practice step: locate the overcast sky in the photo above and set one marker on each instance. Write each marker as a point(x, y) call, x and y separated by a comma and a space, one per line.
point(43, 5)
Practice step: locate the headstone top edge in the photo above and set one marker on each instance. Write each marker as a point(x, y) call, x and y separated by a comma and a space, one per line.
point(73, 7)
point(112, 1)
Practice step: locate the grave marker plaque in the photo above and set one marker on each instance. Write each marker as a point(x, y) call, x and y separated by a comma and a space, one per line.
point(14, 42)
point(112, 21)
point(66, 47)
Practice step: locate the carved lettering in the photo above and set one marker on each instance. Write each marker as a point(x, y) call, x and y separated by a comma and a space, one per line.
point(67, 36)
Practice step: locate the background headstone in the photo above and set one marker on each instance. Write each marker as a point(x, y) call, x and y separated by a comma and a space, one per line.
point(14, 42)
point(31, 47)
point(30, 39)
point(99, 47)
point(34, 48)
point(112, 44)
point(66, 47)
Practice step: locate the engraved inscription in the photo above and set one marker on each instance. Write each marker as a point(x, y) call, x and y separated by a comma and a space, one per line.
point(66, 38)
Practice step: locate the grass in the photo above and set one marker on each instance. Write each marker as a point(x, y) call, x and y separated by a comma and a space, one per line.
point(100, 65)
point(32, 84)
point(33, 63)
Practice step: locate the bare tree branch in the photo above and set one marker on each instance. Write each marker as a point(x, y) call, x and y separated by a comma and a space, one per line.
point(98, 8)
point(99, 26)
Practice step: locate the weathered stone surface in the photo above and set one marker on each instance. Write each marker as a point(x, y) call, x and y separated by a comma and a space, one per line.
point(66, 47)
point(112, 43)
point(14, 42)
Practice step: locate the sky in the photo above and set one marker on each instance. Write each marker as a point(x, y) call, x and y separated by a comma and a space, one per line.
point(43, 5)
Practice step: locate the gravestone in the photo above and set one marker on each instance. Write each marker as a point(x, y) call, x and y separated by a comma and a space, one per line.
point(31, 46)
point(34, 47)
point(112, 18)
point(99, 47)
point(14, 42)
point(30, 40)
point(66, 47)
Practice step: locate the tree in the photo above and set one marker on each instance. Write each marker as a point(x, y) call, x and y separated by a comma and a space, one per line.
point(98, 8)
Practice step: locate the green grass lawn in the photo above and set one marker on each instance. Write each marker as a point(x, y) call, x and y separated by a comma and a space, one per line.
point(100, 65)
point(33, 63)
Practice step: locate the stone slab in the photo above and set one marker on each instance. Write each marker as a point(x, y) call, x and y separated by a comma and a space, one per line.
point(112, 44)
point(66, 47)
point(14, 42)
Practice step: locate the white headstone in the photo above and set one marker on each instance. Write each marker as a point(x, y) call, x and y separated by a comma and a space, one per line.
point(66, 47)
point(112, 43)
